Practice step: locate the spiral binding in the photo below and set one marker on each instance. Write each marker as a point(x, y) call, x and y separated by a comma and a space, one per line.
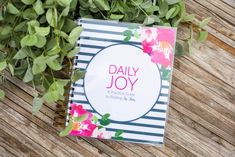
point(62, 107)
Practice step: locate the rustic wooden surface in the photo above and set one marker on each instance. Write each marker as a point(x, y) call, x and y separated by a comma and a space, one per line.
point(201, 121)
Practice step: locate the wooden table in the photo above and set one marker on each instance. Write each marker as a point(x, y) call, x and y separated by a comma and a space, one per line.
point(201, 119)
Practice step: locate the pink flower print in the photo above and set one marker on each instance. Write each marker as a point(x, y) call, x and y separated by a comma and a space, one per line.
point(148, 46)
point(163, 54)
point(168, 35)
point(149, 39)
point(84, 128)
point(77, 110)
point(101, 134)
point(149, 34)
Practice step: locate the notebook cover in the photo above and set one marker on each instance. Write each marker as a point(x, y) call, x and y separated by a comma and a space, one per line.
point(125, 92)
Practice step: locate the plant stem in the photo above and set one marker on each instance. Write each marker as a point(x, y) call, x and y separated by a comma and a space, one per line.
point(140, 8)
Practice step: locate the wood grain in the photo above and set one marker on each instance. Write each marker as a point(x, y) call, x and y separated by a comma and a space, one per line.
point(201, 119)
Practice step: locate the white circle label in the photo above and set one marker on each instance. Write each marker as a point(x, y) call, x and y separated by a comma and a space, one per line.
point(121, 80)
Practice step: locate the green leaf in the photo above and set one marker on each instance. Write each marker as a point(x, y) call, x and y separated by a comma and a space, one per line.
point(95, 119)
point(31, 26)
point(102, 4)
point(65, 12)
point(64, 3)
point(43, 31)
point(106, 116)
point(73, 52)
point(20, 26)
point(37, 104)
point(81, 118)
point(202, 36)
point(22, 53)
point(11, 68)
point(38, 7)
point(127, 38)
point(28, 2)
point(58, 87)
point(29, 40)
point(77, 75)
point(74, 35)
point(2, 94)
point(163, 7)
point(105, 122)
point(28, 75)
point(41, 41)
point(166, 74)
point(152, 9)
point(118, 133)
point(12, 9)
point(55, 92)
point(205, 22)
point(63, 82)
point(39, 65)
point(5, 30)
point(54, 65)
point(30, 14)
point(149, 20)
point(116, 16)
point(67, 130)
point(188, 18)
point(118, 138)
point(61, 34)
point(51, 97)
point(179, 51)
point(171, 2)
point(3, 65)
point(55, 50)
point(105, 119)
point(170, 13)
point(127, 33)
point(146, 5)
point(52, 17)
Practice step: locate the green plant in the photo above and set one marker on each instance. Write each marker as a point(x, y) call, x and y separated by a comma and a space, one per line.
point(149, 12)
point(35, 44)
point(38, 37)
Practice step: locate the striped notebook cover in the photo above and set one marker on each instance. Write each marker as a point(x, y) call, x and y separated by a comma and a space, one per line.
point(125, 92)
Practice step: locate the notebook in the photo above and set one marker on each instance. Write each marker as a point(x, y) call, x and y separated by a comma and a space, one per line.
point(125, 92)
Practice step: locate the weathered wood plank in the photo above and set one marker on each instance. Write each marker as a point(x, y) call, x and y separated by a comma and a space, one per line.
point(22, 150)
point(22, 141)
point(49, 121)
point(202, 85)
point(5, 152)
point(220, 27)
point(192, 128)
point(200, 125)
point(213, 65)
point(224, 126)
point(35, 133)
point(137, 149)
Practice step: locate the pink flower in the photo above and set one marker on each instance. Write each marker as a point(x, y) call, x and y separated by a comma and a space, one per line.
point(148, 46)
point(163, 54)
point(159, 43)
point(149, 34)
point(77, 110)
point(168, 35)
point(84, 128)
point(101, 134)
point(149, 38)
